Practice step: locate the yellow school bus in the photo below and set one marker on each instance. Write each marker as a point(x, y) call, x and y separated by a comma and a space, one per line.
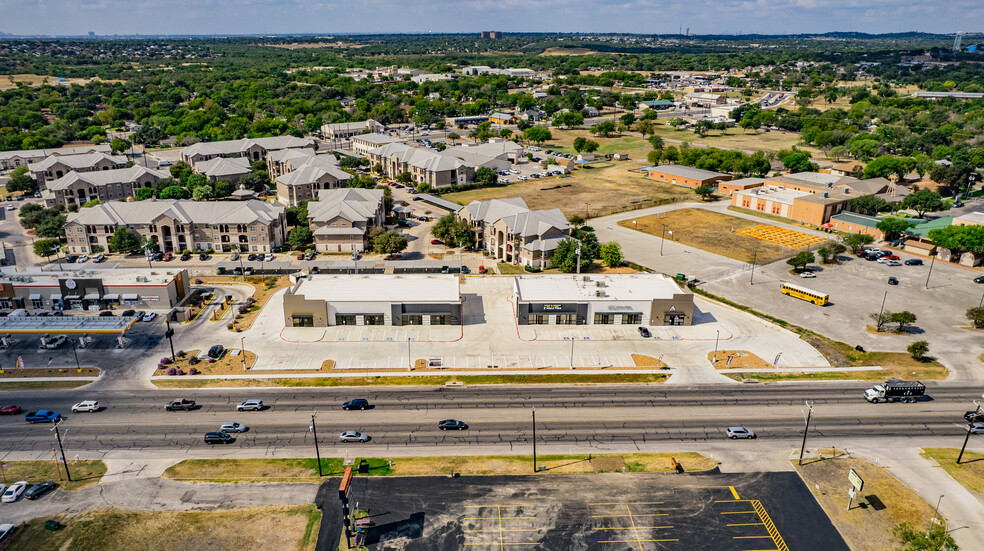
point(802, 293)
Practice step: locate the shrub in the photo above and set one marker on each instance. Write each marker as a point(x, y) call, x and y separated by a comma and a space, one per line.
point(193, 371)
point(211, 360)
point(164, 361)
point(193, 360)
point(531, 269)
point(181, 354)
point(172, 371)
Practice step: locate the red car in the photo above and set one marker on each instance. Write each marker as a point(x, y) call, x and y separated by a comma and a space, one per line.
point(168, 257)
point(436, 242)
point(300, 256)
point(481, 269)
point(891, 256)
point(10, 410)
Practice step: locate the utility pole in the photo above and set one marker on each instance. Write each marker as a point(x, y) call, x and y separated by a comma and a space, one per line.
point(970, 426)
point(717, 336)
point(317, 452)
point(64, 461)
point(931, 263)
point(882, 309)
point(534, 439)
point(578, 257)
point(76, 352)
point(242, 348)
point(170, 333)
point(662, 240)
point(809, 417)
point(751, 276)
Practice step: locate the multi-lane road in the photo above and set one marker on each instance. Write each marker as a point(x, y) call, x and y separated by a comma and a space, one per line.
point(404, 421)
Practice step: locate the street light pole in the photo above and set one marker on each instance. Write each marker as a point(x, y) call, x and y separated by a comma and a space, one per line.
point(931, 263)
point(409, 360)
point(662, 240)
point(317, 452)
point(170, 333)
point(809, 417)
point(76, 352)
point(717, 336)
point(242, 348)
point(970, 425)
point(534, 439)
point(572, 351)
point(936, 512)
point(64, 461)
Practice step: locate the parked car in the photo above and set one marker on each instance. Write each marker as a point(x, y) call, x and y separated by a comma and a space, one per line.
point(129, 313)
point(52, 343)
point(149, 316)
point(99, 258)
point(90, 406)
point(217, 438)
point(300, 256)
point(482, 270)
point(70, 259)
point(914, 262)
point(234, 257)
point(167, 257)
point(739, 432)
point(216, 351)
point(979, 279)
point(14, 491)
point(106, 314)
point(203, 257)
point(83, 259)
point(250, 405)
point(893, 263)
point(452, 424)
point(807, 274)
point(893, 280)
point(644, 333)
point(233, 427)
point(269, 257)
point(11, 207)
point(251, 257)
point(358, 403)
point(891, 256)
point(436, 242)
point(10, 410)
point(185, 256)
point(353, 436)
point(309, 256)
point(6, 530)
point(38, 490)
point(182, 404)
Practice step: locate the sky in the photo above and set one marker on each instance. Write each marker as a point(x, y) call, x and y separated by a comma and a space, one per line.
point(108, 17)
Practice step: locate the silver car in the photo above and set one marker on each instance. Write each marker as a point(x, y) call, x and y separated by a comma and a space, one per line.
point(739, 432)
point(250, 405)
point(233, 427)
point(353, 436)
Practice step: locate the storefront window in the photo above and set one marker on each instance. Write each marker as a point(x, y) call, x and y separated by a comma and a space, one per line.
point(674, 319)
point(440, 319)
point(631, 319)
point(302, 320)
point(566, 319)
point(412, 319)
point(344, 319)
point(37, 304)
point(604, 319)
point(539, 319)
point(374, 319)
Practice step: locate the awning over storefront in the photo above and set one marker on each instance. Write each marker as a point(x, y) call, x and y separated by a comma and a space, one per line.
point(131, 297)
point(56, 296)
point(35, 296)
point(112, 297)
point(92, 296)
point(73, 297)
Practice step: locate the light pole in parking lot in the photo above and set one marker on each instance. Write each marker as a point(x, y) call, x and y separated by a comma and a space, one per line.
point(75, 350)
point(809, 417)
point(662, 240)
point(409, 360)
point(717, 337)
point(58, 438)
point(932, 261)
point(242, 347)
point(317, 451)
point(970, 425)
point(534, 439)
point(170, 333)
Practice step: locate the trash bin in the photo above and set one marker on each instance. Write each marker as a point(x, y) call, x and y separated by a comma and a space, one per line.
point(681, 276)
point(52, 525)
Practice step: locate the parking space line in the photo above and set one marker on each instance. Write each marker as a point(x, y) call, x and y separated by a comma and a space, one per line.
point(629, 503)
point(733, 492)
point(630, 528)
point(769, 526)
point(747, 524)
point(645, 515)
point(739, 513)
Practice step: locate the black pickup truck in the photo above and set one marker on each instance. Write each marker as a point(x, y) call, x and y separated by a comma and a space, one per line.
point(180, 405)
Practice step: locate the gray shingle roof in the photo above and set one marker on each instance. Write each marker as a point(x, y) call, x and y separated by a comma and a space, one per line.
point(84, 160)
point(312, 169)
point(230, 147)
point(106, 177)
point(220, 167)
point(352, 204)
point(182, 210)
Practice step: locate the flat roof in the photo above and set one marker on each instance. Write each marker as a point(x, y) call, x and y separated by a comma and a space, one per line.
point(976, 217)
point(585, 287)
point(416, 288)
point(110, 273)
point(772, 193)
point(66, 324)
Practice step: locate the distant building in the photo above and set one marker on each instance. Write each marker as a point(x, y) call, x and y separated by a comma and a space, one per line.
point(345, 130)
point(364, 143)
point(14, 159)
point(252, 149)
point(77, 188)
point(493, 35)
point(56, 166)
point(685, 176)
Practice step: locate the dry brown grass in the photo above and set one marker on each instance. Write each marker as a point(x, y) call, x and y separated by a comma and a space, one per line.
point(713, 232)
point(867, 526)
point(7, 83)
point(743, 359)
point(733, 138)
point(9, 373)
point(263, 288)
point(255, 528)
point(567, 51)
point(562, 377)
point(85, 472)
point(641, 360)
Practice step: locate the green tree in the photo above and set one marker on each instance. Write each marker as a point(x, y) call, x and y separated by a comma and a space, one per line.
point(797, 160)
point(936, 538)
point(537, 134)
point(92, 203)
point(123, 240)
point(801, 260)
point(570, 119)
point(20, 180)
point(880, 319)
point(404, 177)
point(565, 256)
point(143, 194)
point(923, 201)
point(976, 315)
point(46, 247)
point(119, 145)
point(857, 241)
point(918, 350)
point(505, 133)
point(645, 128)
point(300, 237)
point(887, 165)
point(222, 188)
point(611, 254)
point(893, 227)
point(53, 226)
point(835, 250)
point(576, 221)
point(604, 129)
point(180, 170)
point(202, 193)
point(904, 319)
point(451, 136)
point(254, 181)
point(628, 120)
point(825, 254)
point(297, 215)
point(654, 156)
point(705, 191)
point(175, 192)
point(389, 242)
point(453, 232)
point(579, 143)
point(657, 143)
point(590, 146)
point(485, 177)
point(869, 204)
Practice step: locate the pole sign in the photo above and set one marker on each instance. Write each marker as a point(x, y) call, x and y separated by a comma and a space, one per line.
point(855, 480)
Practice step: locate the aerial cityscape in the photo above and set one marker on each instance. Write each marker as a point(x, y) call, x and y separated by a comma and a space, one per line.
point(600, 277)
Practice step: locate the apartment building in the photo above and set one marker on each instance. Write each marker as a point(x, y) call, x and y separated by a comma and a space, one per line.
point(253, 149)
point(508, 230)
point(364, 143)
point(77, 188)
point(424, 165)
point(224, 168)
point(56, 166)
point(341, 218)
point(10, 160)
point(308, 176)
point(345, 130)
point(176, 225)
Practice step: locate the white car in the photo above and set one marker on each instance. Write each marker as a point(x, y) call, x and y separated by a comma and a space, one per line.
point(233, 427)
point(268, 257)
point(149, 316)
point(88, 405)
point(739, 432)
point(250, 405)
point(353, 436)
point(14, 491)
point(808, 274)
point(11, 207)
point(54, 342)
point(82, 259)
point(976, 428)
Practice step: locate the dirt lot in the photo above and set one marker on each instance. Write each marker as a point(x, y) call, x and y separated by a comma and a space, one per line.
point(8, 82)
point(733, 138)
point(260, 528)
point(882, 504)
point(713, 232)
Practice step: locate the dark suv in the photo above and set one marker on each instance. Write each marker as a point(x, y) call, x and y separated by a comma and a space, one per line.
point(218, 438)
point(358, 403)
point(216, 351)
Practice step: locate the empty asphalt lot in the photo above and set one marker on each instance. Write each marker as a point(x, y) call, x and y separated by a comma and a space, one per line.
point(615, 511)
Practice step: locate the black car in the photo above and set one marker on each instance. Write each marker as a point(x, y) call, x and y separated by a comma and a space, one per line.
point(218, 438)
point(71, 259)
point(914, 262)
point(186, 256)
point(974, 416)
point(106, 314)
point(358, 403)
point(893, 280)
point(158, 256)
point(645, 333)
point(465, 270)
point(452, 424)
point(979, 279)
point(251, 257)
point(203, 256)
point(40, 489)
point(216, 351)
point(129, 313)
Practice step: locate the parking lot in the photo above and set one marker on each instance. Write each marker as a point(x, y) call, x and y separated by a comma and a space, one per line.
point(719, 512)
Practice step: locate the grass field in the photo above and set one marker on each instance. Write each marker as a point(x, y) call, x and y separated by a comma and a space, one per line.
point(713, 232)
point(84, 473)
point(734, 138)
point(887, 502)
point(305, 470)
point(567, 378)
point(969, 473)
point(255, 528)
point(41, 385)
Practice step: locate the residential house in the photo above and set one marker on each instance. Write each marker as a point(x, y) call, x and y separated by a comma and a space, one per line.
point(224, 168)
point(56, 166)
point(10, 160)
point(77, 188)
point(502, 118)
point(685, 175)
point(342, 218)
point(176, 225)
point(847, 169)
point(252, 149)
point(508, 230)
point(308, 177)
point(345, 130)
point(655, 104)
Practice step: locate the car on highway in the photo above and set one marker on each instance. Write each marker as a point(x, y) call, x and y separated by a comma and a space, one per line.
point(353, 436)
point(452, 424)
point(42, 416)
point(216, 351)
point(974, 416)
point(10, 410)
point(185, 257)
point(39, 489)
point(217, 438)
point(358, 403)
point(975, 428)
point(14, 491)
point(182, 404)
point(914, 262)
point(149, 316)
point(739, 432)
point(644, 333)
point(893, 280)
point(52, 343)
point(233, 427)
point(808, 274)
point(250, 405)
point(90, 406)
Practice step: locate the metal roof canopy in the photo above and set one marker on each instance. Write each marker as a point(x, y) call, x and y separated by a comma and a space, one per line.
point(66, 324)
